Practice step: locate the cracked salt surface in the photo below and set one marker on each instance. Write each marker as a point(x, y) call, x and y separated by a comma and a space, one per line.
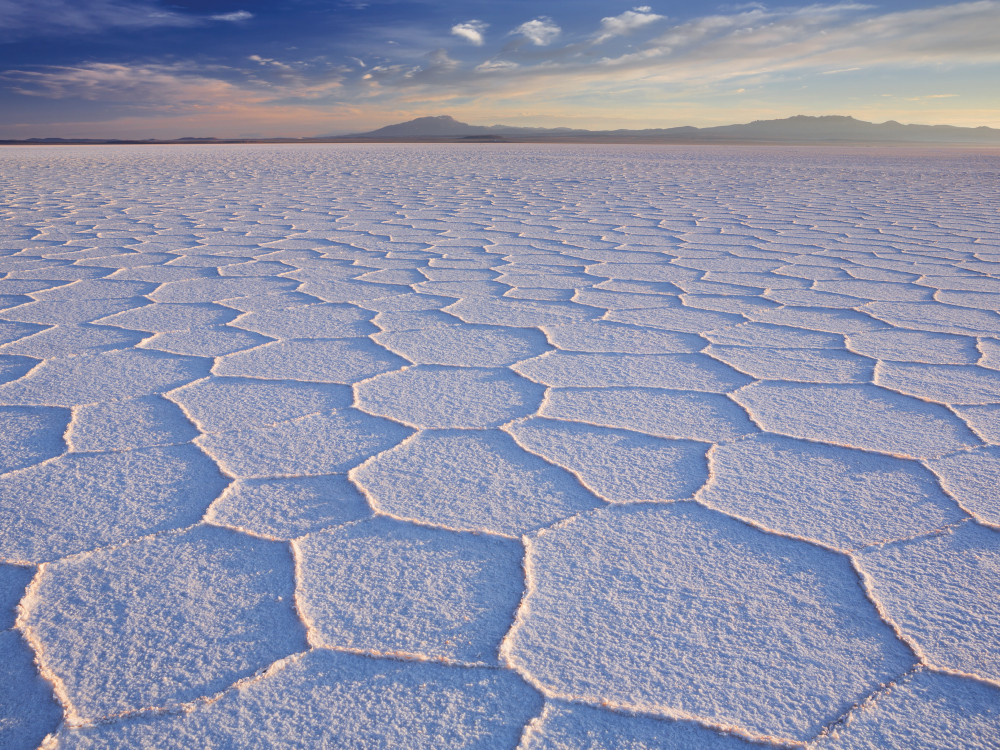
point(451, 447)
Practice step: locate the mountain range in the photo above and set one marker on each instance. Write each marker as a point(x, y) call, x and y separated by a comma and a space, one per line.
point(800, 129)
point(797, 129)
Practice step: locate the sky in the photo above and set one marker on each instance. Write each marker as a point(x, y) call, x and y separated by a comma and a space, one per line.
point(249, 68)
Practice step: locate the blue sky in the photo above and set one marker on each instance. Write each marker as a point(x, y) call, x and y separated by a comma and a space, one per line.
point(153, 68)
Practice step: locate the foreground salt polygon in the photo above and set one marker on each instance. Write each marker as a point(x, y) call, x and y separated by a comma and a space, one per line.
point(499, 446)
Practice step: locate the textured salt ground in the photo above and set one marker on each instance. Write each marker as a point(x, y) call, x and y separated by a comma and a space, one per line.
point(446, 447)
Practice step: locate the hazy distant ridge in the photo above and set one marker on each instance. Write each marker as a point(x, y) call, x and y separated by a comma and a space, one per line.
point(828, 128)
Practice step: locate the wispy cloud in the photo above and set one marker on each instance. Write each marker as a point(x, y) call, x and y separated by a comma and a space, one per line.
point(42, 17)
point(496, 66)
point(471, 31)
point(161, 86)
point(21, 19)
point(169, 88)
point(626, 22)
point(839, 70)
point(539, 31)
point(267, 61)
point(235, 16)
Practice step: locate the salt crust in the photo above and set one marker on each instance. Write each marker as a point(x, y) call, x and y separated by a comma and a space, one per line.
point(457, 447)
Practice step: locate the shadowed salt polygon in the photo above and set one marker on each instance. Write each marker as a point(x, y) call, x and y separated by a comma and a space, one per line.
point(676, 608)
point(940, 590)
point(166, 619)
point(72, 340)
point(519, 313)
point(439, 397)
point(934, 316)
point(125, 425)
point(412, 321)
point(972, 479)
point(30, 434)
point(950, 384)
point(288, 508)
point(313, 445)
point(915, 346)
point(83, 501)
point(839, 497)
point(330, 699)
point(729, 302)
point(820, 319)
point(391, 587)
point(677, 414)
point(219, 403)
point(321, 321)
point(925, 711)
point(617, 465)
point(90, 378)
point(11, 331)
point(691, 372)
point(14, 579)
point(610, 299)
point(70, 312)
point(798, 365)
point(323, 361)
point(856, 416)
point(466, 346)
point(601, 336)
point(28, 708)
point(214, 290)
point(164, 317)
point(765, 335)
point(676, 318)
point(211, 341)
point(874, 290)
point(476, 481)
point(562, 726)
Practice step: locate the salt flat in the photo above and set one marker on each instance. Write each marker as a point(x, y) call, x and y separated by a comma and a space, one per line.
point(489, 446)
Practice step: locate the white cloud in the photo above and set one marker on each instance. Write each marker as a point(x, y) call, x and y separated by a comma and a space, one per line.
point(270, 62)
point(496, 66)
point(539, 31)
point(238, 15)
point(471, 31)
point(626, 22)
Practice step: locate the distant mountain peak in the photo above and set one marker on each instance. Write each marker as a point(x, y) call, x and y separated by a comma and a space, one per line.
point(431, 126)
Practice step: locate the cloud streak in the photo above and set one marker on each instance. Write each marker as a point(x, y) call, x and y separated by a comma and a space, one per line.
point(156, 86)
point(234, 17)
point(43, 17)
point(38, 18)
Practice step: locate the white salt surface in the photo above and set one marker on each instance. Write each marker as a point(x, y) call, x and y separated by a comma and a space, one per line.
point(499, 446)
